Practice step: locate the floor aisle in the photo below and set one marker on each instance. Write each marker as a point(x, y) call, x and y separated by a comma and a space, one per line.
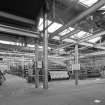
point(16, 91)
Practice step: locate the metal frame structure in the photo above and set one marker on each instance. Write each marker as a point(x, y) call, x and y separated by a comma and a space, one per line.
point(78, 18)
point(35, 66)
point(18, 31)
point(82, 41)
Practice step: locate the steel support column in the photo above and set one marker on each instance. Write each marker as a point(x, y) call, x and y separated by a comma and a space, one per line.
point(76, 62)
point(45, 54)
point(23, 66)
point(35, 66)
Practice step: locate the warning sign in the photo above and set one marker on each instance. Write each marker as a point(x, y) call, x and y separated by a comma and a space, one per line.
point(39, 64)
point(75, 66)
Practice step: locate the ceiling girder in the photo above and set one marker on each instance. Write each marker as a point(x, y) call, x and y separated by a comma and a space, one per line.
point(92, 36)
point(16, 18)
point(18, 31)
point(81, 43)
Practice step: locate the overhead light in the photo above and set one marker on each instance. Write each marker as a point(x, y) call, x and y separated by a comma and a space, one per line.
point(29, 45)
point(9, 42)
point(69, 40)
point(56, 37)
point(97, 101)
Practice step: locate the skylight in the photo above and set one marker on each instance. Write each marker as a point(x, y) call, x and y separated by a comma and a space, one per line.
point(66, 31)
point(51, 28)
point(95, 39)
point(40, 25)
point(54, 27)
point(88, 2)
point(79, 34)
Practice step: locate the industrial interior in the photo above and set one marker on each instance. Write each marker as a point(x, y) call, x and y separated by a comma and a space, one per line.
point(50, 50)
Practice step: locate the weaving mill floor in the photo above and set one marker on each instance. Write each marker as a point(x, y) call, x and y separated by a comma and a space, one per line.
point(16, 91)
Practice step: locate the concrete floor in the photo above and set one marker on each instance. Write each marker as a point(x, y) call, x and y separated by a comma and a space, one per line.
point(15, 91)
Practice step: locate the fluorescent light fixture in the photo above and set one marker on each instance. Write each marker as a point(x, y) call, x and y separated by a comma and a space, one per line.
point(9, 42)
point(95, 39)
point(49, 48)
point(41, 47)
point(61, 50)
point(102, 8)
point(69, 40)
point(29, 45)
point(56, 37)
point(97, 101)
point(66, 31)
point(88, 2)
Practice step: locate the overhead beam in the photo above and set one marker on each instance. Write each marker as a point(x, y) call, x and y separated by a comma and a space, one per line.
point(16, 18)
point(90, 10)
point(19, 48)
point(100, 44)
point(82, 43)
point(18, 31)
point(93, 54)
point(52, 57)
point(91, 37)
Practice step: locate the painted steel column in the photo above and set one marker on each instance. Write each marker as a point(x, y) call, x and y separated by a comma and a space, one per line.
point(23, 66)
point(35, 67)
point(45, 54)
point(76, 62)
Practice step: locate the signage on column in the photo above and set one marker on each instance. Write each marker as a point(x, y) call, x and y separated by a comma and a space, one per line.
point(39, 64)
point(75, 66)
